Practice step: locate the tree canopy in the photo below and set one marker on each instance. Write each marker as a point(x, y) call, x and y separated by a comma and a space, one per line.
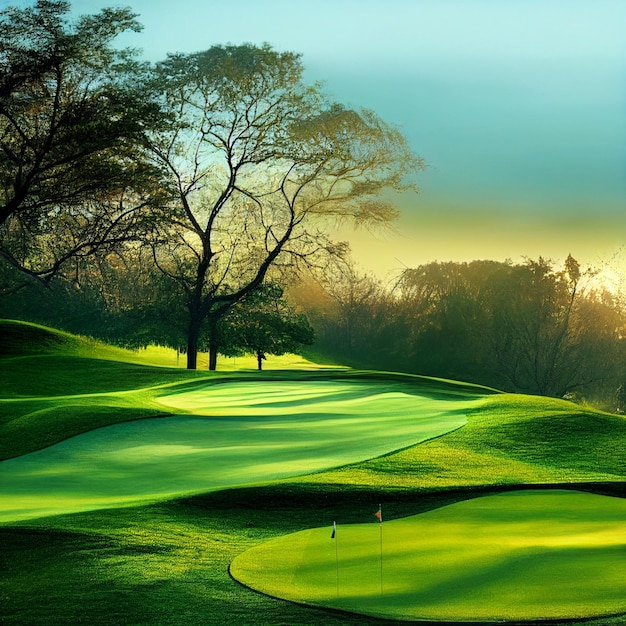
point(72, 112)
point(263, 323)
point(532, 327)
point(260, 165)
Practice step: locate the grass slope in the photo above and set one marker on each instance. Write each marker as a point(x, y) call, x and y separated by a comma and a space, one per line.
point(167, 563)
point(510, 439)
point(236, 433)
point(54, 385)
point(69, 389)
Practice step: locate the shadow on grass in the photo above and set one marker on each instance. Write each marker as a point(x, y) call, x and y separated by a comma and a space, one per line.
point(167, 564)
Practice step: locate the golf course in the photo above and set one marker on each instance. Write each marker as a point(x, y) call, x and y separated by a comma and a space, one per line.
point(133, 491)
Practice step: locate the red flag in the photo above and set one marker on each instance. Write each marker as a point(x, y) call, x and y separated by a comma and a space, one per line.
point(379, 514)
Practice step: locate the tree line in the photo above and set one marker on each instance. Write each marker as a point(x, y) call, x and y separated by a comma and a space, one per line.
point(532, 327)
point(223, 169)
point(191, 203)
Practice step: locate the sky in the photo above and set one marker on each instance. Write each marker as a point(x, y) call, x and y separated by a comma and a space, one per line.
point(517, 107)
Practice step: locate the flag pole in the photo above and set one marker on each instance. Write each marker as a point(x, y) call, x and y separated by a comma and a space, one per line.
point(334, 536)
point(379, 515)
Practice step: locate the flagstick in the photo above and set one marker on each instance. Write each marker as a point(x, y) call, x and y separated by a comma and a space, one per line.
point(337, 564)
point(381, 548)
point(333, 536)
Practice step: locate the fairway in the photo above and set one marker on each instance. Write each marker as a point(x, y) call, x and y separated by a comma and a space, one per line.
point(225, 435)
point(514, 556)
point(117, 444)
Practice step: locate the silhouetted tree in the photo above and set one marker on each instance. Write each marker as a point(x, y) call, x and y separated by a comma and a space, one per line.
point(72, 113)
point(353, 295)
point(533, 332)
point(260, 163)
point(444, 304)
point(530, 327)
point(263, 323)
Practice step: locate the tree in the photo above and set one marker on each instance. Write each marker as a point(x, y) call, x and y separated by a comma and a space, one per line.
point(261, 165)
point(354, 295)
point(533, 308)
point(120, 298)
point(356, 320)
point(263, 323)
point(533, 327)
point(446, 312)
point(72, 112)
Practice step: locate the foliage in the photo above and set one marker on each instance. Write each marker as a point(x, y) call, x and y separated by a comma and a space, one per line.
point(120, 298)
point(73, 109)
point(260, 164)
point(531, 327)
point(263, 323)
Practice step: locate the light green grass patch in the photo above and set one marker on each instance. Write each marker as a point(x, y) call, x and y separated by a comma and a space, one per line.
point(237, 433)
point(514, 556)
point(20, 339)
point(509, 439)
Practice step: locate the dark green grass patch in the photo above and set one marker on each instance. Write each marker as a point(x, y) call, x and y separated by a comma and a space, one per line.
point(162, 565)
point(22, 339)
point(61, 375)
point(167, 564)
point(30, 426)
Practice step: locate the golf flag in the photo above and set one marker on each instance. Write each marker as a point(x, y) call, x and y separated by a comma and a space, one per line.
point(379, 513)
point(332, 536)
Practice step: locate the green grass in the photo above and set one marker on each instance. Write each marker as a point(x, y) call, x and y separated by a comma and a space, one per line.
point(48, 380)
point(227, 435)
point(510, 439)
point(24, 339)
point(514, 556)
point(167, 563)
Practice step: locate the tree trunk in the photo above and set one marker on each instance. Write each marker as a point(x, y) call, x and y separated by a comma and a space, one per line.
point(259, 358)
point(213, 344)
point(212, 357)
point(193, 336)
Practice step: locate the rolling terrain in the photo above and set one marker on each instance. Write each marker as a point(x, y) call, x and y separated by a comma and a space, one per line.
point(216, 463)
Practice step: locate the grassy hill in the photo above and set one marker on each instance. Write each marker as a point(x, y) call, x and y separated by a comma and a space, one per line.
point(167, 563)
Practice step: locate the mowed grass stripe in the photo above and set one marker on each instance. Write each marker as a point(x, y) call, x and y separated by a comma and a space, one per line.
point(509, 439)
point(514, 556)
point(259, 432)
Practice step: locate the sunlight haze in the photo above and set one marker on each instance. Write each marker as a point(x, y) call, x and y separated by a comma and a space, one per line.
point(518, 108)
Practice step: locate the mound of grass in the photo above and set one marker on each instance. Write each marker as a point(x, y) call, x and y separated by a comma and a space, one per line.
point(64, 376)
point(40, 361)
point(237, 433)
point(24, 338)
point(509, 439)
point(33, 425)
point(514, 556)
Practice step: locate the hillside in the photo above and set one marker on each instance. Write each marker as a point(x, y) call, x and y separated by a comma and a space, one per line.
point(167, 563)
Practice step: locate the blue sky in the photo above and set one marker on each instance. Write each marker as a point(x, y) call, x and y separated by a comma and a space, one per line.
point(517, 106)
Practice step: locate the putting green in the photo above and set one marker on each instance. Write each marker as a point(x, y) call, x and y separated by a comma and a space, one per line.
point(514, 556)
point(230, 434)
